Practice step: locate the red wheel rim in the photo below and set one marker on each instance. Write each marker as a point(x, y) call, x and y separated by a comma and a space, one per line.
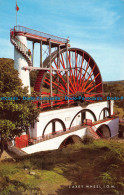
point(84, 76)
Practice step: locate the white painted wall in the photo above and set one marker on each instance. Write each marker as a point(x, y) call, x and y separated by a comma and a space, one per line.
point(97, 108)
point(112, 107)
point(20, 62)
point(66, 115)
point(54, 143)
point(113, 125)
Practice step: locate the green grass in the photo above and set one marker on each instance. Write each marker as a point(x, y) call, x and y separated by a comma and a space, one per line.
point(119, 111)
point(98, 163)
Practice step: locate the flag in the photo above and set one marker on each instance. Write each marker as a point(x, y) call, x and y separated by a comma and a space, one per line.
point(17, 8)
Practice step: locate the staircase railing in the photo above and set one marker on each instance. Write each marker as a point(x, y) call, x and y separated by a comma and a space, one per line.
point(92, 132)
point(56, 134)
point(20, 44)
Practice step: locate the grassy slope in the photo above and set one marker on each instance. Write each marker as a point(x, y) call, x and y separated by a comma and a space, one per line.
point(100, 163)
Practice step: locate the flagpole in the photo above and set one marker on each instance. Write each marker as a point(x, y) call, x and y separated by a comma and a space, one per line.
point(16, 12)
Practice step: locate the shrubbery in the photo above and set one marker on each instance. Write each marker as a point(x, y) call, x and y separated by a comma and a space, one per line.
point(88, 139)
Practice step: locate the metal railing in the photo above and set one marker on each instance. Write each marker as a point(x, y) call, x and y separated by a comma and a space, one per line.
point(41, 34)
point(56, 134)
point(20, 45)
point(48, 136)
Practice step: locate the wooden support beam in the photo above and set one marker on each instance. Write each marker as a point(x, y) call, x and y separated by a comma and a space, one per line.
point(51, 92)
point(35, 68)
point(41, 61)
point(67, 64)
point(33, 53)
point(110, 106)
point(58, 57)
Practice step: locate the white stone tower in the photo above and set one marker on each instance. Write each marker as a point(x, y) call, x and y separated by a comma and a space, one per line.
point(20, 60)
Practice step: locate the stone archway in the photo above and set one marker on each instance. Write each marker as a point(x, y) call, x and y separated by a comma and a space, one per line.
point(104, 131)
point(70, 140)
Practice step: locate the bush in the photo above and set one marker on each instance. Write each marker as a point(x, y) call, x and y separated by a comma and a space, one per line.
point(88, 139)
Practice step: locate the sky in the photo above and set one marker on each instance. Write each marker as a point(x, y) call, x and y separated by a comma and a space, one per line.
point(96, 26)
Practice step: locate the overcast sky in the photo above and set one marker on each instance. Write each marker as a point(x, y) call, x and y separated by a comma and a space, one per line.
point(96, 26)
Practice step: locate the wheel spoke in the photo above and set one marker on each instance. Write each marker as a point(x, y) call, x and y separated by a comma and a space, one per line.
point(88, 78)
point(78, 74)
point(60, 85)
point(71, 77)
point(92, 82)
point(76, 67)
point(81, 69)
point(73, 70)
point(94, 87)
point(48, 83)
point(56, 84)
point(59, 74)
point(62, 62)
point(85, 74)
point(84, 77)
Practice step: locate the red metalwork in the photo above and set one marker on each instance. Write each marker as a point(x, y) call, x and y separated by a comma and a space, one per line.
point(37, 36)
point(81, 70)
point(88, 122)
point(93, 132)
point(21, 141)
point(84, 77)
point(74, 73)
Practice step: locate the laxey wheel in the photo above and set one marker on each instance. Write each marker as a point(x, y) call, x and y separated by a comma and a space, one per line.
point(83, 73)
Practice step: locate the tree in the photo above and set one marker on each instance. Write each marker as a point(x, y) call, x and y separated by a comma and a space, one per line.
point(33, 76)
point(16, 114)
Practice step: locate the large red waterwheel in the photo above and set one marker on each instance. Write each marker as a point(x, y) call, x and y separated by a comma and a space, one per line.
point(83, 75)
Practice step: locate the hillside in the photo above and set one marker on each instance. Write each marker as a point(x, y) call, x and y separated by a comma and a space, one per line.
point(6, 60)
point(112, 82)
point(99, 165)
point(117, 85)
point(121, 82)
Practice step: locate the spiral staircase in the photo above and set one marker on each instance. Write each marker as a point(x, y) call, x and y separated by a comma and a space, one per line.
point(21, 48)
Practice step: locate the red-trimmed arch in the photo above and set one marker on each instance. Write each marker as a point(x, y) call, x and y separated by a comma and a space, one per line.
point(53, 121)
point(84, 111)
